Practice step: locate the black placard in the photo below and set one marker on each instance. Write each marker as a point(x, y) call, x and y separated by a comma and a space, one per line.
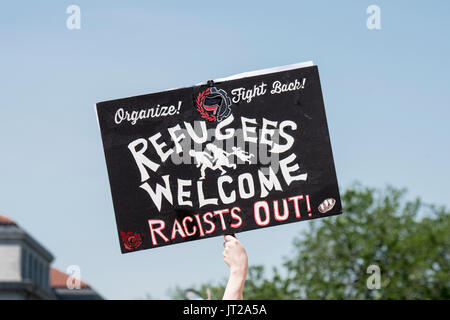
point(219, 158)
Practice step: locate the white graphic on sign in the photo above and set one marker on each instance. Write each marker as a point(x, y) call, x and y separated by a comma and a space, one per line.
point(218, 159)
point(327, 205)
point(203, 160)
point(242, 155)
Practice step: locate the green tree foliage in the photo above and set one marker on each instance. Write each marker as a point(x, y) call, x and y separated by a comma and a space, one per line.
point(408, 240)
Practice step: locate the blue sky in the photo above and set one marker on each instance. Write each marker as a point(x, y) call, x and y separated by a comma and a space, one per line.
point(386, 97)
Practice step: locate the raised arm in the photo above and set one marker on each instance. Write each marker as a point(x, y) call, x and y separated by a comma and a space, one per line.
point(236, 258)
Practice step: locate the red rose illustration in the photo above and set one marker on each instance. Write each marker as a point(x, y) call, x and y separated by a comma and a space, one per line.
point(131, 240)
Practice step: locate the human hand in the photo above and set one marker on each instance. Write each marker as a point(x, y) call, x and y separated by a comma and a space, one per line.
point(234, 255)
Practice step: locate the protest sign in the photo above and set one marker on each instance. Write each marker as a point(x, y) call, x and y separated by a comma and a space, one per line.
point(234, 154)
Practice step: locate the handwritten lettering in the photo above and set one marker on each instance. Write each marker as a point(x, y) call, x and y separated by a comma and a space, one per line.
point(154, 112)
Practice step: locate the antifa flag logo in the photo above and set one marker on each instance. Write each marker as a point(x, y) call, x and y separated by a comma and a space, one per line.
point(213, 105)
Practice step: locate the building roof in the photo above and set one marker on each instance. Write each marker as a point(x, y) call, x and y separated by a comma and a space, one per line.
point(4, 220)
point(58, 279)
point(10, 231)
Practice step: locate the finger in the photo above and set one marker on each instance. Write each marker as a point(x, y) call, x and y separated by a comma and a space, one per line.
point(228, 246)
point(230, 238)
point(232, 243)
